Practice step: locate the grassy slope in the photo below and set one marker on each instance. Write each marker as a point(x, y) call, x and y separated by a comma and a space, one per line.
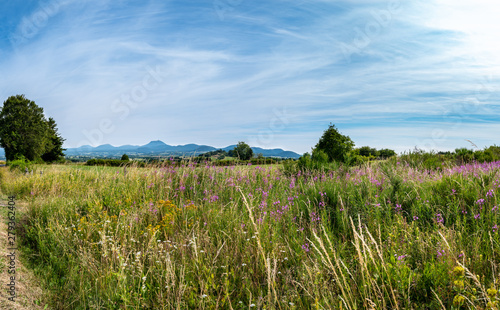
point(28, 290)
point(390, 237)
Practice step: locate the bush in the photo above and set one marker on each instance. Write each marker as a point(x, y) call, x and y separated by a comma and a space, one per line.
point(110, 162)
point(20, 165)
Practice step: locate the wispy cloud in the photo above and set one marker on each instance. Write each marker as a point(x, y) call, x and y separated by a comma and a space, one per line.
point(411, 71)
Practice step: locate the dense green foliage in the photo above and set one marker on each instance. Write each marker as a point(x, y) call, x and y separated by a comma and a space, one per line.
point(25, 133)
point(112, 162)
point(54, 150)
point(242, 151)
point(386, 235)
point(125, 157)
point(334, 144)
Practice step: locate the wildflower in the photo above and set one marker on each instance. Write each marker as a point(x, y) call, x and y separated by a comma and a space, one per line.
point(459, 271)
point(252, 305)
point(305, 247)
point(439, 218)
point(458, 301)
point(477, 216)
point(203, 296)
point(459, 284)
point(495, 228)
point(440, 253)
point(492, 292)
point(480, 201)
point(398, 208)
point(415, 217)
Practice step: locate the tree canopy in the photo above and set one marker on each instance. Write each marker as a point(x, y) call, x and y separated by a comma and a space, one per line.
point(243, 151)
point(26, 133)
point(334, 144)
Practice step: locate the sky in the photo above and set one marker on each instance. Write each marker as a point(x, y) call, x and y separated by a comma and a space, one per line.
point(389, 74)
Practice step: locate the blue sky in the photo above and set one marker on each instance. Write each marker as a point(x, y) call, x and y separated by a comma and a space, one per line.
point(393, 74)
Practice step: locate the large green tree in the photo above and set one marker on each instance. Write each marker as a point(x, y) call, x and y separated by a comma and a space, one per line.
point(243, 151)
point(24, 131)
point(334, 144)
point(54, 150)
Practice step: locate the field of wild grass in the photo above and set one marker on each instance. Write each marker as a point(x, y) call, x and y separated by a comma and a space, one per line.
point(386, 236)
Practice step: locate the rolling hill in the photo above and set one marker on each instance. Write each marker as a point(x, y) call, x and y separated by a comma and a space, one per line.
point(156, 148)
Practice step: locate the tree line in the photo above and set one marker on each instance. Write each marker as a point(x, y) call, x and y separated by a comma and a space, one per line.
point(334, 147)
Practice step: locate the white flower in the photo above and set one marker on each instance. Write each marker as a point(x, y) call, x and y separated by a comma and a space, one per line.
point(203, 296)
point(252, 305)
point(291, 303)
point(144, 279)
point(243, 264)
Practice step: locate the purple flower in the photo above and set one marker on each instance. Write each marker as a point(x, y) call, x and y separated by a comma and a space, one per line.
point(440, 253)
point(415, 217)
point(477, 216)
point(400, 258)
point(305, 247)
point(439, 218)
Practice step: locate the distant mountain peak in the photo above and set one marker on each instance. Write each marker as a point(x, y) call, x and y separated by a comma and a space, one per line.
point(156, 142)
point(158, 147)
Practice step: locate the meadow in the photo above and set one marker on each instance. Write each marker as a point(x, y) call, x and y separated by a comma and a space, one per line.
point(387, 235)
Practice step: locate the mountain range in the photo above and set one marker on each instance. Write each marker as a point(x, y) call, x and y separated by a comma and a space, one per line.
point(155, 148)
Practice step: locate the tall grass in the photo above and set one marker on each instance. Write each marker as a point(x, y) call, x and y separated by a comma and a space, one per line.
point(390, 236)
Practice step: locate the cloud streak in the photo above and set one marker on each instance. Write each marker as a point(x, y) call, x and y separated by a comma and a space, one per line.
point(424, 67)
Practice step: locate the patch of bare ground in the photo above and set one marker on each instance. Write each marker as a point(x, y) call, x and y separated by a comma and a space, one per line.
point(28, 289)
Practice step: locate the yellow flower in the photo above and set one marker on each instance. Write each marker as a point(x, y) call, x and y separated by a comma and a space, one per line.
point(459, 284)
point(459, 271)
point(458, 301)
point(492, 292)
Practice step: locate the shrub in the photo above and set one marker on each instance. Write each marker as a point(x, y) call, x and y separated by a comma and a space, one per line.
point(20, 165)
point(111, 162)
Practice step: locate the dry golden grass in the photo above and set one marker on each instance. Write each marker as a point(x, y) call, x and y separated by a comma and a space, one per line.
point(29, 291)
